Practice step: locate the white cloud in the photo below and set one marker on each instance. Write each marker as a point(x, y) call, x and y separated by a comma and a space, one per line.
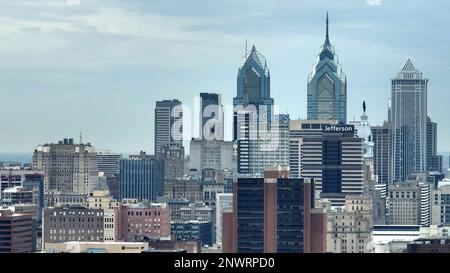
point(373, 2)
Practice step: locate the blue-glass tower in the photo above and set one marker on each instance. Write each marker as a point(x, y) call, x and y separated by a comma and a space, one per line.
point(327, 86)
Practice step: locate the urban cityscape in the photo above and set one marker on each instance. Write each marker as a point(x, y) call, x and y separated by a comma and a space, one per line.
point(243, 175)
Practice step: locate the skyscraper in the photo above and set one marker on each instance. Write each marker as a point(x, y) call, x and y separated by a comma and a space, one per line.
point(141, 177)
point(383, 152)
point(327, 86)
point(409, 118)
point(434, 161)
point(168, 123)
point(67, 167)
point(211, 116)
point(173, 156)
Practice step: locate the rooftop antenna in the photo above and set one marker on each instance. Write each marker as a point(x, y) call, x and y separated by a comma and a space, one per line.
point(246, 47)
point(81, 137)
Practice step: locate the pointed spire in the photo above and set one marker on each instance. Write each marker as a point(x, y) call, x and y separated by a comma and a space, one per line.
point(409, 66)
point(327, 37)
point(253, 48)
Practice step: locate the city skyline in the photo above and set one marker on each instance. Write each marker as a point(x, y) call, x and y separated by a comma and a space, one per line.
point(75, 76)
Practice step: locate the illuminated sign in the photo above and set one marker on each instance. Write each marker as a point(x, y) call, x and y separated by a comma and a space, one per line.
point(338, 129)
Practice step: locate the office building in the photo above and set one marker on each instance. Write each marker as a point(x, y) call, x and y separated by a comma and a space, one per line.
point(383, 153)
point(175, 208)
point(404, 203)
point(299, 129)
point(185, 189)
point(139, 222)
point(211, 117)
point(168, 123)
point(108, 163)
point(224, 201)
point(102, 199)
point(409, 120)
point(429, 246)
point(15, 177)
point(211, 154)
point(350, 228)
point(59, 199)
point(67, 167)
point(335, 161)
point(17, 195)
point(434, 161)
point(440, 205)
point(16, 232)
point(327, 86)
point(172, 154)
point(141, 177)
point(273, 214)
point(210, 189)
point(193, 230)
point(67, 224)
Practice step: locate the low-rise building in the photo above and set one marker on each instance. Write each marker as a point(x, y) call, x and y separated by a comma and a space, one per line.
point(16, 232)
point(97, 247)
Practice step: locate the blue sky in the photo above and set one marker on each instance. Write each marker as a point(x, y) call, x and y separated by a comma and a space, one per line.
point(99, 67)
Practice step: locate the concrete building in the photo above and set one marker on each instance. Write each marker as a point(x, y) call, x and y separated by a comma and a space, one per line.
point(409, 120)
point(327, 86)
point(193, 230)
point(175, 208)
point(60, 199)
point(404, 203)
point(139, 222)
point(223, 202)
point(16, 232)
point(172, 154)
point(350, 228)
point(141, 177)
point(440, 205)
point(108, 163)
point(72, 224)
point(209, 192)
point(101, 199)
point(97, 247)
point(15, 178)
point(168, 123)
point(429, 246)
point(17, 195)
point(185, 188)
point(67, 167)
point(211, 154)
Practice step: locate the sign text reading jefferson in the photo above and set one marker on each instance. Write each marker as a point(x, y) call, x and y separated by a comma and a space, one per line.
point(338, 128)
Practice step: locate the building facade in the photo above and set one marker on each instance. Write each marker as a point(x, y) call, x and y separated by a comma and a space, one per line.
point(211, 154)
point(141, 177)
point(383, 153)
point(16, 232)
point(211, 117)
point(168, 123)
point(67, 167)
point(409, 119)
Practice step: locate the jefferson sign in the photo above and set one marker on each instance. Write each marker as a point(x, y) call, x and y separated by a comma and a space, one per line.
point(338, 129)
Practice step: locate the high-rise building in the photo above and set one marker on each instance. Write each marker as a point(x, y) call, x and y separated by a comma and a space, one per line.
point(327, 86)
point(67, 167)
point(434, 161)
point(108, 163)
point(211, 117)
point(168, 123)
point(173, 156)
point(350, 228)
point(335, 161)
point(383, 153)
point(67, 224)
point(409, 119)
point(183, 189)
point(211, 154)
point(141, 177)
point(16, 232)
point(272, 214)
point(298, 130)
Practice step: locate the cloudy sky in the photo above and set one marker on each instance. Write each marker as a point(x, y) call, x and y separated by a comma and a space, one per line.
point(98, 67)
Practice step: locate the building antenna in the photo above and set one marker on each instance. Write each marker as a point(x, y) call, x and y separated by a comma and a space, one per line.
point(81, 137)
point(246, 47)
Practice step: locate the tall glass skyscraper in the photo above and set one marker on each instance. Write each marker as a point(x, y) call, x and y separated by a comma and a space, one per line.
point(409, 118)
point(327, 86)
